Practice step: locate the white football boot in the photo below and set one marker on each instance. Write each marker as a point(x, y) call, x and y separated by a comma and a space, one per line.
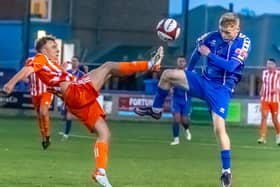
point(277, 139)
point(156, 60)
point(188, 134)
point(100, 177)
point(262, 140)
point(176, 141)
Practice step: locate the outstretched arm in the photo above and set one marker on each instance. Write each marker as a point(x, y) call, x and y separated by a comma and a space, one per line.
point(23, 73)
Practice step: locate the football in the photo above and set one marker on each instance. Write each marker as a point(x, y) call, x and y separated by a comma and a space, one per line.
point(168, 29)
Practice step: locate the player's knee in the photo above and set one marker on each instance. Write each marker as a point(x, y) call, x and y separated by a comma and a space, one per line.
point(220, 130)
point(44, 114)
point(109, 65)
point(176, 121)
point(44, 111)
point(274, 119)
point(176, 117)
point(264, 117)
point(106, 136)
point(68, 116)
point(264, 114)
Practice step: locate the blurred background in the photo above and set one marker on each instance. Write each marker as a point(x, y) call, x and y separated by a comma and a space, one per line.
point(101, 30)
point(140, 156)
point(122, 30)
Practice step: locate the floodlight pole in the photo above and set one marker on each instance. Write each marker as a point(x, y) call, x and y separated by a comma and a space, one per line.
point(230, 7)
point(26, 32)
point(185, 24)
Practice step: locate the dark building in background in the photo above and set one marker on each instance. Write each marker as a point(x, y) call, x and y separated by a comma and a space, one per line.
point(99, 26)
point(94, 26)
point(125, 30)
point(101, 30)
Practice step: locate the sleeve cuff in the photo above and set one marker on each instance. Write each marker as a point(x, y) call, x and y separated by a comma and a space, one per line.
point(211, 55)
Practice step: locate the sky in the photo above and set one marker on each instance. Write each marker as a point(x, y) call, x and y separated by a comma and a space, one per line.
point(258, 6)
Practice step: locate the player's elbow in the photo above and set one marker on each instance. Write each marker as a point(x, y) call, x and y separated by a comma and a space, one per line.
point(233, 65)
point(28, 70)
point(231, 69)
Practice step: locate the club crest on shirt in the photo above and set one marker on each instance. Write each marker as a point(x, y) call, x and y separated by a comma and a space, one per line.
point(241, 53)
point(212, 43)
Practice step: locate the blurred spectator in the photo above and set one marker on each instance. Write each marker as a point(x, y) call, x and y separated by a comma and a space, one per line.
point(269, 93)
point(75, 64)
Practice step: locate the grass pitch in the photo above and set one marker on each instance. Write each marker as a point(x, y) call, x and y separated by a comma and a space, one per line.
point(140, 156)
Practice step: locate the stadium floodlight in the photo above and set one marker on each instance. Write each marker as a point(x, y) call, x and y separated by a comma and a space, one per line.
point(41, 33)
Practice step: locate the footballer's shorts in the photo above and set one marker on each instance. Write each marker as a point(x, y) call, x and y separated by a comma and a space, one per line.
point(81, 100)
point(216, 95)
point(181, 106)
point(269, 107)
point(42, 99)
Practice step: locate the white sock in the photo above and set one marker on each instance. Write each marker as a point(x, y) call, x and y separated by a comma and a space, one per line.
point(102, 171)
point(150, 64)
point(226, 170)
point(156, 110)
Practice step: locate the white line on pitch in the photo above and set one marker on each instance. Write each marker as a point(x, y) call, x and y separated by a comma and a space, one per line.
point(264, 147)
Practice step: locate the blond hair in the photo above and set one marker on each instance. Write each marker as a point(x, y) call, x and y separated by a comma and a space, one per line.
point(229, 19)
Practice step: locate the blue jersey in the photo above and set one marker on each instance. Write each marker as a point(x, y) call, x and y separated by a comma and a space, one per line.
point(181, 101)
point(77, 73)
point(179, 92)
point(225, 63)
point(223, 71)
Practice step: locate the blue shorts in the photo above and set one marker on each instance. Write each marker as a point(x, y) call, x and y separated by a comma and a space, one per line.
point(180, 105)
point(216, 95)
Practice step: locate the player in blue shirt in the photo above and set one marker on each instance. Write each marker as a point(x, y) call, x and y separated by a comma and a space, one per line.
point(226, 51)
point(68, 116)
point(181, 107)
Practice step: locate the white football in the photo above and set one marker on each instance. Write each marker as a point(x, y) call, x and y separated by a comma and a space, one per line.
point(168, 29)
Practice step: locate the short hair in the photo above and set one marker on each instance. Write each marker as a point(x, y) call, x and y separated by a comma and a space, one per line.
point(181, 56)
point(229, 19)
point(272, 60)
point(42, 41)
point(76, 57)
